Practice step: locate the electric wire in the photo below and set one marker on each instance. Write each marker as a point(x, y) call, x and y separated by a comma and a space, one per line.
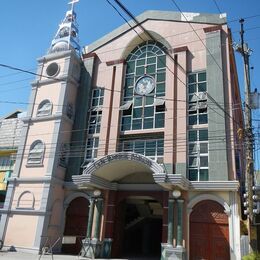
point(151, 37)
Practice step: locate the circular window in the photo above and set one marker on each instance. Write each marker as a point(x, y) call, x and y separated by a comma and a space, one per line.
point(52, 69)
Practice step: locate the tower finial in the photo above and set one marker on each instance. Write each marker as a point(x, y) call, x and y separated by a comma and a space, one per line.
point(66, 37)
point(72, 4)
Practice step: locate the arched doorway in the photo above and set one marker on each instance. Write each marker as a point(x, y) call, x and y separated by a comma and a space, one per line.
point(138, 232)
point(209, 236)
point(76, 224)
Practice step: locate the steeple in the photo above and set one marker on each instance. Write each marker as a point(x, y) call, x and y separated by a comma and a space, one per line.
point(66, 37)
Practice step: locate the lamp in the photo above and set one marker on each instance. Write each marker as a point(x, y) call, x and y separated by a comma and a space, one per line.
point(96, 193)
point(176, 194)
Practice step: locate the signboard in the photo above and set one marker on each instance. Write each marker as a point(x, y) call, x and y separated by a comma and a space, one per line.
point(122, 156)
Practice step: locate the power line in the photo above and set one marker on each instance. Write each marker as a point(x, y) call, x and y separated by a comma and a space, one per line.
point(29, 72)
point(144, 30)
point(216, 4)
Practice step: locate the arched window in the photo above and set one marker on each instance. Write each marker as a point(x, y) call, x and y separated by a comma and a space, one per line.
point(143, 105)
point(45, 108)
point(36, 153)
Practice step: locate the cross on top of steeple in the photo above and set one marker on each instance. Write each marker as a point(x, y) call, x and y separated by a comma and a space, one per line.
point(72, 3)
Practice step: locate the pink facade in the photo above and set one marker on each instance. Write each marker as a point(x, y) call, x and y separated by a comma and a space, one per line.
point(143, 163)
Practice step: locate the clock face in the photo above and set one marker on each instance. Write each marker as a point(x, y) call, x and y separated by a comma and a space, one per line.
point(144, 85)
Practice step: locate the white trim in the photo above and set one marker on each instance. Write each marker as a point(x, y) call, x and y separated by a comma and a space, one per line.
point(43, 110)
point(234, 226)
point(213, 197)
point(73, 196)
point(32, 202)
point(214, 185)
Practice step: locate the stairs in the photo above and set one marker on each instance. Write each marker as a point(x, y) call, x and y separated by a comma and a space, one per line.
point(134, 222)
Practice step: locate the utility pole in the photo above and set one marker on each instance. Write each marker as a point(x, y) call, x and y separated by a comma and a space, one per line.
point(249, 140)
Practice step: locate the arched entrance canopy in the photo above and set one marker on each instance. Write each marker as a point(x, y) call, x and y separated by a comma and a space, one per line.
point(107, 171)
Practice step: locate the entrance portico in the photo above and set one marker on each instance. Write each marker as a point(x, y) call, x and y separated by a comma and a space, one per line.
point(133, 191)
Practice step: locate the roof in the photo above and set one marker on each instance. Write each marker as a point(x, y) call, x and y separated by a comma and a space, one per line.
point(11, 115)
point(203, 18)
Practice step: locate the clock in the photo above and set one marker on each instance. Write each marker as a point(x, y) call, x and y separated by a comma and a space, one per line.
point(144, 85)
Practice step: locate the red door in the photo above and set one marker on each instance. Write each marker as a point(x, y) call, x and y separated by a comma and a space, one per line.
point(209, 238)
point(76, 224)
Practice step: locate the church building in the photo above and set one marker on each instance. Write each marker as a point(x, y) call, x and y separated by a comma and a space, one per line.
point(130, 148)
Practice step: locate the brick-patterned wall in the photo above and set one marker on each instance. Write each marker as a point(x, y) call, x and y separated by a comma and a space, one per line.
point(10, 132)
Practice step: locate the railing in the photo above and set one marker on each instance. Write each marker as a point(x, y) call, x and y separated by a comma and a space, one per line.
point(89, 247)
point(49, 244)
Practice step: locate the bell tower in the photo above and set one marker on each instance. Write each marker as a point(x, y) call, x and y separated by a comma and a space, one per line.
point(33, 209)
point(66, 37)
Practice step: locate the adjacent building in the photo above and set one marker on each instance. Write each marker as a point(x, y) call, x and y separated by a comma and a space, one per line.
point(131, 149)
point(10, 133)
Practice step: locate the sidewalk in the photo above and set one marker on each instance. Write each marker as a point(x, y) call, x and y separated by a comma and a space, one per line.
point(4, 255)
point(7, 255)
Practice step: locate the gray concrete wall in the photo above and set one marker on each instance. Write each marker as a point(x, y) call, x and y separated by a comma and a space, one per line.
point(80, 122)
point(218, 167)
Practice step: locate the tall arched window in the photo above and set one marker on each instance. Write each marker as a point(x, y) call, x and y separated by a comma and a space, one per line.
point(36, 153)
point(143, 103)
point(45, 108)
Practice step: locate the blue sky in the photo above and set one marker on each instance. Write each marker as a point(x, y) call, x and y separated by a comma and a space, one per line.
point(29, 26)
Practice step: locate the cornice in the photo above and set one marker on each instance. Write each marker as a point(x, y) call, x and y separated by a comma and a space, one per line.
point(214, 185)
point(50, 180)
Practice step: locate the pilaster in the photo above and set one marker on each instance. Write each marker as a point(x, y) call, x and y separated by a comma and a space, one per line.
point(97, 220)
point(115, 120)
point(170, 221)
point(90, 218)
point(180, 97)
point(179, 223)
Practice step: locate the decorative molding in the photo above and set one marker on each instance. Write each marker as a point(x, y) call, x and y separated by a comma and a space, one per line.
point(179, 180)
point(115, 62)
point(25, 212)
point(51, 180)
point(74, 195)
point(89, 55)
point(36, 165)
point(207, 196)
point(214, 185)
point(160, 177)
point(92, 181)
point(19, 201)
point(127, 156)
point(48, 80)
point(212, 28)
point(56, 55)
point(57, 116)
point(180, 49)
point(42, 119)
